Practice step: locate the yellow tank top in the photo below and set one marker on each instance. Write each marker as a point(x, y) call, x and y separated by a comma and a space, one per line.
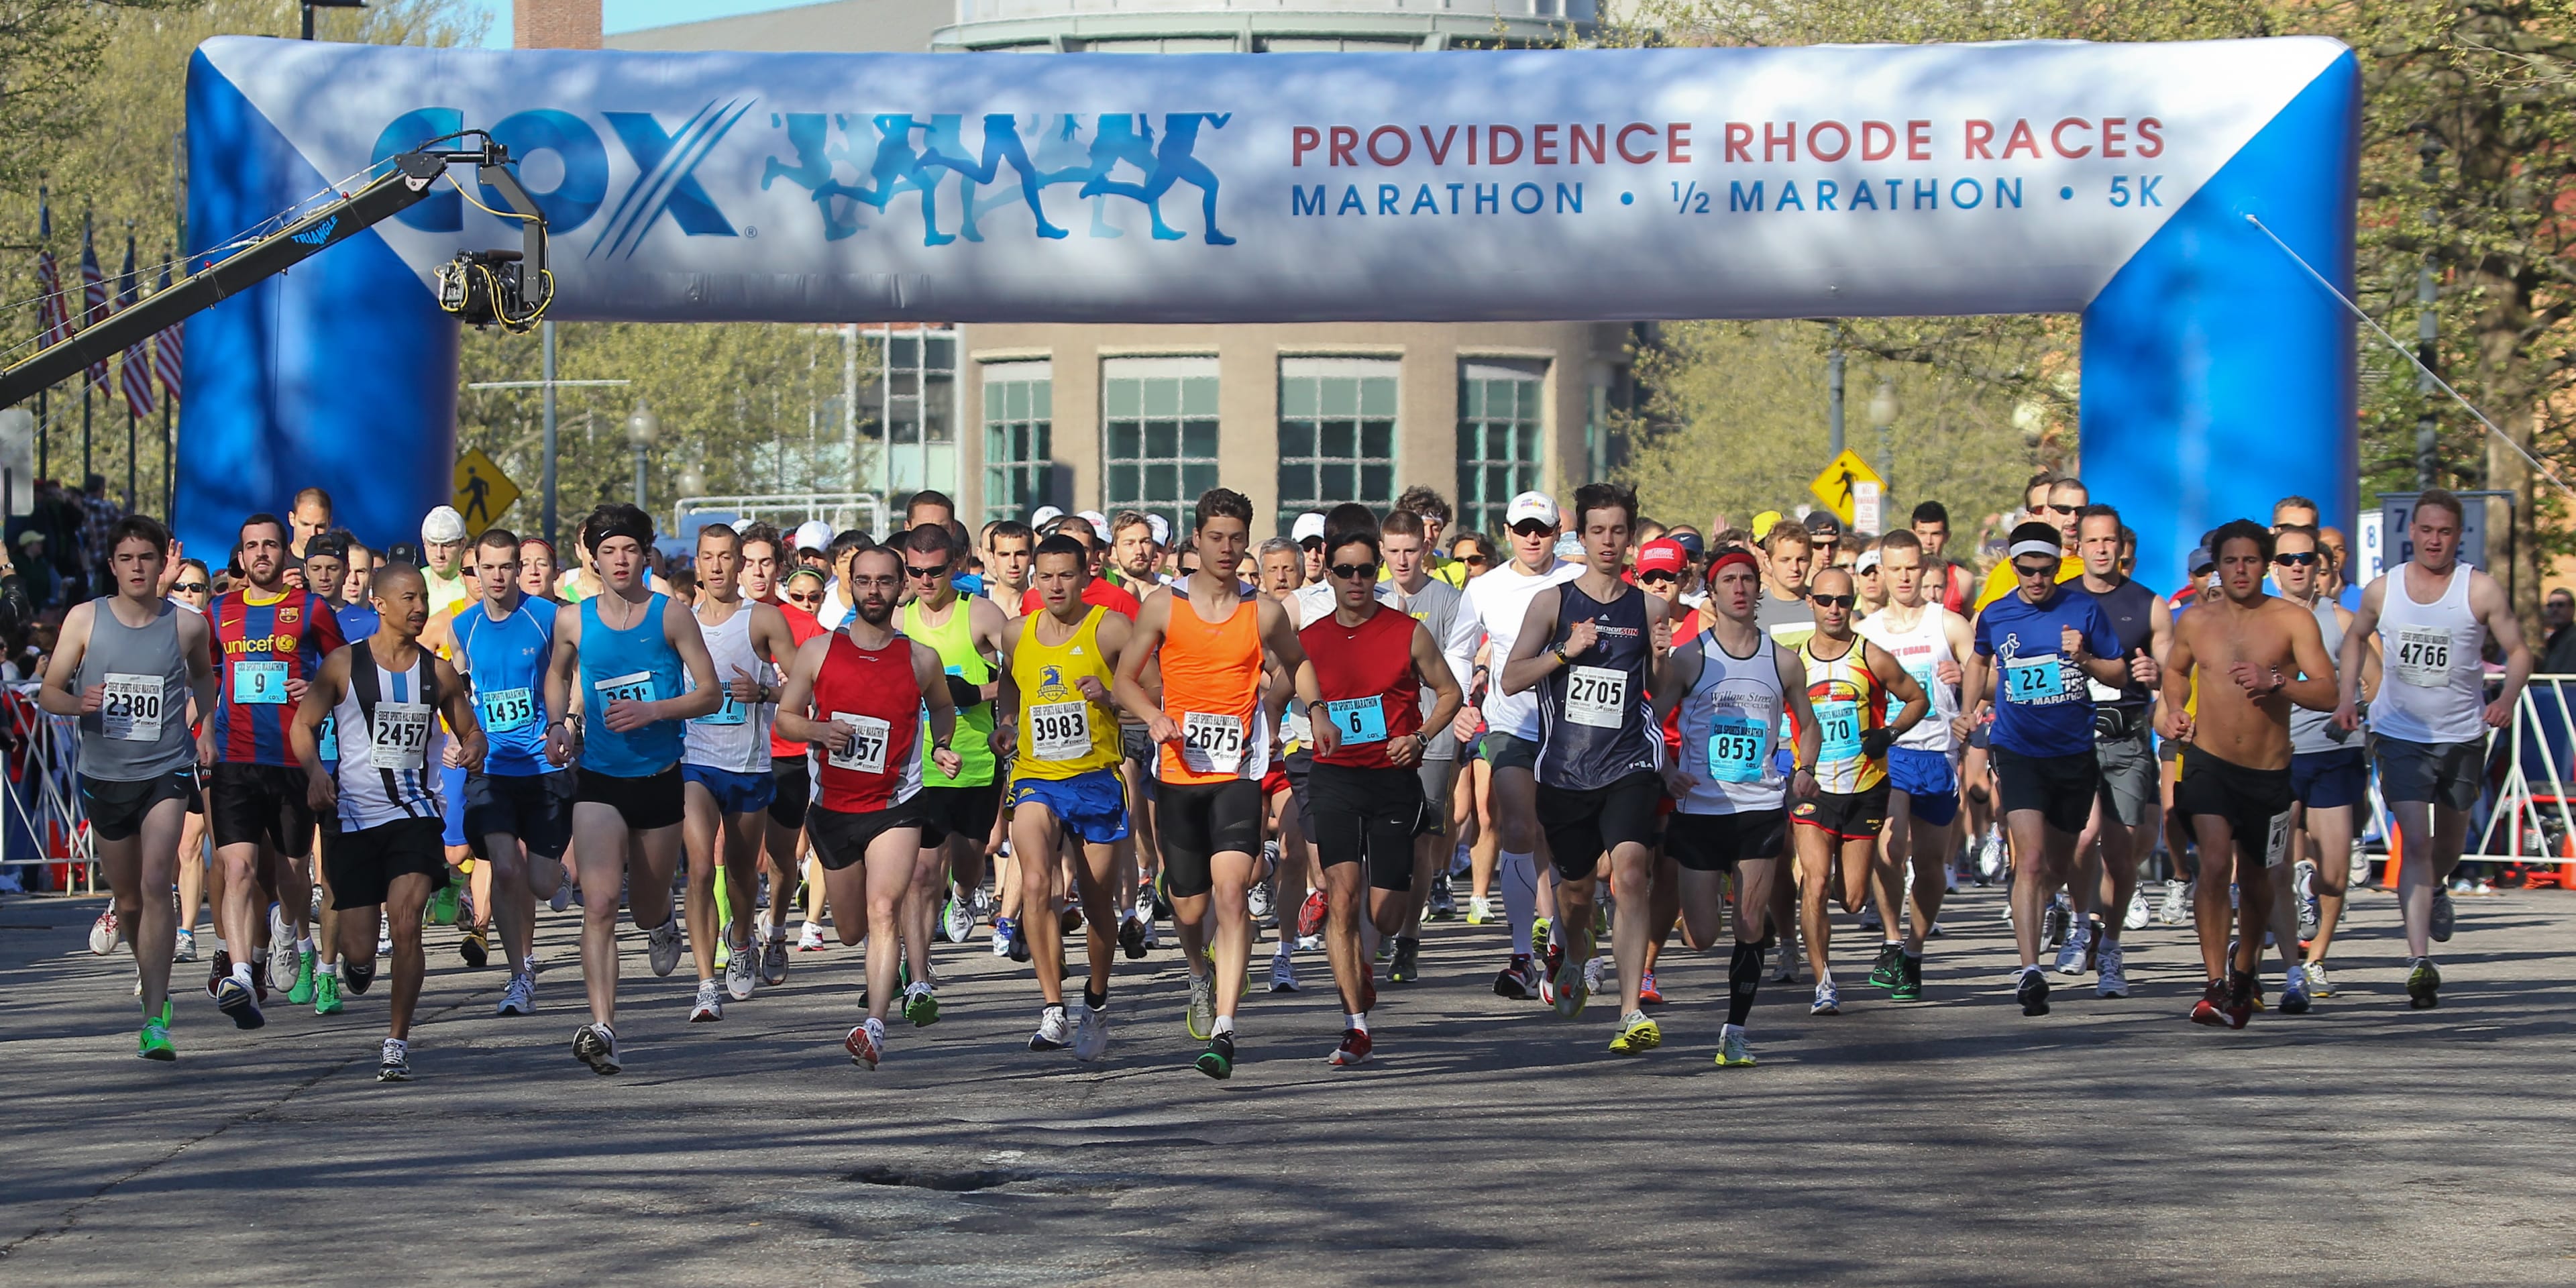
point(1062, 733)
point(1848, 701)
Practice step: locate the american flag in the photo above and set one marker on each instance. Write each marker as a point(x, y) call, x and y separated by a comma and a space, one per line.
point(93, 299)
point(165, 351)
point(52, 320)
point(135, 372)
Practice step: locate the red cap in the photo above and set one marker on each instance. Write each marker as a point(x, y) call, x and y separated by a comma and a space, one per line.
point(1661, 555)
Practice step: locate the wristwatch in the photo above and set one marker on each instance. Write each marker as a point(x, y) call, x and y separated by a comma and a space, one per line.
point(1561, 658)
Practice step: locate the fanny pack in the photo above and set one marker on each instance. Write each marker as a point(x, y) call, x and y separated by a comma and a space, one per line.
point(2114, 724)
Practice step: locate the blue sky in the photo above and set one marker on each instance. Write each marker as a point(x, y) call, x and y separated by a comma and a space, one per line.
point(628, 15)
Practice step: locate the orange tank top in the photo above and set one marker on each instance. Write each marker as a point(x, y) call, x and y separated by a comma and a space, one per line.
point(1212, 689)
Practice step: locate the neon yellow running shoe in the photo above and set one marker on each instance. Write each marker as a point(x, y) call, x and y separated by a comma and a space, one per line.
point(1733, 1050)
point(1637, 1037)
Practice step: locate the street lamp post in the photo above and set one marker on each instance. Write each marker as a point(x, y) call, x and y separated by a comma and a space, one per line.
point(1834, 393)
point(1882, 413)
point(641, 429)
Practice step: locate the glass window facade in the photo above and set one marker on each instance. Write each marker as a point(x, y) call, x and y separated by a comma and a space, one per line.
point(1337, 435)
point(1019, 447)
point(1158, 432)
point(1502, 421)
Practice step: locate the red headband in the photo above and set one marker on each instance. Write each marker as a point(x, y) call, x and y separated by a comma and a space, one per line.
point(1731, 557)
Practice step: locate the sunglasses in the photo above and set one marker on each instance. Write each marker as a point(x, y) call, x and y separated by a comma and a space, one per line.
point(1834, 601)
point(925, 573)
point(1532, 528)
point(1650, 578)
point(1472, 561)
point(189, 588)
point(1349, 572)
point(2052, 509)
point(2302, 559)
point(2034, 570)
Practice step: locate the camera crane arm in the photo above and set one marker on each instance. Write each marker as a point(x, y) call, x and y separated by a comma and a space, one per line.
point(480, 287)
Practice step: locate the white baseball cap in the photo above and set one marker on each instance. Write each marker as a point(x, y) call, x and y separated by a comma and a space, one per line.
point(1309, 525)
point(1045, 515)
point(1531, 505)
point(1099, 523)
point(1162, 529)
point(442, 525)
point(812, 534)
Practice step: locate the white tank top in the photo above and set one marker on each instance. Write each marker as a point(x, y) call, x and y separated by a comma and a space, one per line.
point(2435, 691)
point(733, 737)
point(1730, 723)
point(1919, 650)
point(391, 743)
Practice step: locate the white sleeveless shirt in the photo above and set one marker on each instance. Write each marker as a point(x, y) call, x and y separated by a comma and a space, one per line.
point(2435, 690)
point(1920, 650)
point(733, 737)
point(1730, 723)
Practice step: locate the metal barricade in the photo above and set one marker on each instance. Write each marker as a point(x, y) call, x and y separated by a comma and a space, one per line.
point(2532, 814)
point(842, 510)
point(41, 823)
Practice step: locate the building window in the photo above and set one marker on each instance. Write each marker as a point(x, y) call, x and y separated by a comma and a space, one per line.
point(1501, 415)
point(908, 406)
point(1019, 449)
point(1336, 434)
point(1158, 435)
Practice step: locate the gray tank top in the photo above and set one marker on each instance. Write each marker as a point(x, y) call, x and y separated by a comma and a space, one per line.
point(141, 731)
point(2314, 731)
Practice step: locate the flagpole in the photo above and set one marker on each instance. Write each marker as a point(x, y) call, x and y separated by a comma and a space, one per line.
point(86, 458)
point(130, 458)
point(44, 436)
point(169, 461)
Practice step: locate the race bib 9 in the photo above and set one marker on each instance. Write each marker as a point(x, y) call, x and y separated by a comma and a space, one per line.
point(131, 709)
point(1060, 730)
point(1211, 744)
point(262, 681)
point(865, 753)
point(1596, 696)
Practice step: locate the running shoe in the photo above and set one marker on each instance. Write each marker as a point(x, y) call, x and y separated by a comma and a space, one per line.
point(1311, 914)
point(1200, 1017)
point(2294, 993)
point(357, 977)
point(1131, 938)
point(102, 933)
point(810, 939)
point(2303, 882)
point(1991, 859)
point(1887, 971)
point(1019, 945)
point(223, 970)
point(1443, 904)
point(724, 947)
point(742, 972)
point(326, 995)
point(710, 1004)
point(1550, 958)
point(1153, 937)
point(473, 948)
point(281, 941)
point(1519, 980)
point(1407, 966)
point(663, 942)
point(1091, 1036)
point(1637, 1035)
point(1571, 992)
point(395, 1064)
point(561, 898)
point(1597, 980)
point(185, 948)
point(2319, 983)
point(1054, 1033)
point(259, 978)
point(235, 999)
point(866, 1043)
point(1218, 1060)
point(303, 990)
point(443, 906)
point(2443, 917)
point(920, 1005)
point(520, 998)
point(2111, 970)
point(1479, 910)
point(979, 905)
point(1259, 900)
point(1647, 993)
point(153, 1043)
point(2032, 991)
point(1785, 970)
point(1734, 1049)
point(1310, 943)
point(1004, 928)
point(1283, 973)
point(2070, 956)
point(2177, 903)
point(2242, 999)
point(2054, 923)
point(1829, 1000)
point(1909, 979)
point(956, 920)
point(2137, 916)
point(773, 958)
point(384, 940)
point(2211, 1009)
point(1542, 933)
point(1353, 1050)
point(2424, 985)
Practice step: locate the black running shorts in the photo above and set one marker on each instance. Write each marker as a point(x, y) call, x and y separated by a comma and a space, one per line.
point(646, 803)
point(116, 810)
point(842, 839)
point(1198, 821)
point(363, 865)
point(2255, 802)
point(1582, 824)
point(1367, 814)
point(2061, 788)
point(256, 803)
point(1717, 842)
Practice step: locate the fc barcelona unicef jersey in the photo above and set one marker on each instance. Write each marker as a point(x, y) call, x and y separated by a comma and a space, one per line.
point(261, 646)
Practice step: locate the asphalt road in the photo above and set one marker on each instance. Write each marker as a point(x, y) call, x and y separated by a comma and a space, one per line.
point(1950, 1141)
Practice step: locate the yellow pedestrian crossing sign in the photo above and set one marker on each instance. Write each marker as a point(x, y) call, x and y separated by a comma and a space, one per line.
point(483, 492)
point(1839, 487)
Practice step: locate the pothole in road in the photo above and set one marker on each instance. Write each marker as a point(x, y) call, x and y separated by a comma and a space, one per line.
point(945, 1181)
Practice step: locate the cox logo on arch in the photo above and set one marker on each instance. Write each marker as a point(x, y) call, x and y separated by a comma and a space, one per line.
point(665, 164)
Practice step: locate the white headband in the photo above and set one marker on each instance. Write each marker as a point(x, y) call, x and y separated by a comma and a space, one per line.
point(2048, 548)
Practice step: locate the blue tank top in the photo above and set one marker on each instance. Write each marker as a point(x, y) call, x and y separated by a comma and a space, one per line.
point(506, 660)
point(637, 663)
point(1595, 717)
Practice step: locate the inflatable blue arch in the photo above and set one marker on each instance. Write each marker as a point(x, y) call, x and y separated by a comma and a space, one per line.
point(2110, 180)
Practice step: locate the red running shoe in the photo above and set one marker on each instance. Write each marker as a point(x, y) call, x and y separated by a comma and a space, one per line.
point(1310, 917)
point(1354, 1048)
